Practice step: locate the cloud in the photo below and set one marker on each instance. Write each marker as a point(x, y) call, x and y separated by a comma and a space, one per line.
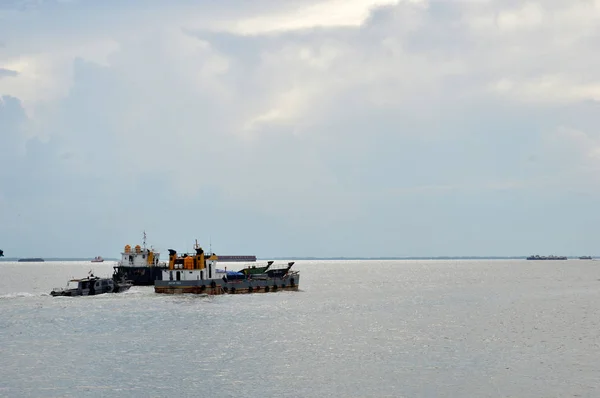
point(332, 13)
point(7, 73)
point(530, 48)
point(280, 126)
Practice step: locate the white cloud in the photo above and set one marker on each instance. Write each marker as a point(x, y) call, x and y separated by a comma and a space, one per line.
point(576, 147)
point(536, 52)
point(526, 16)
point(47, 74)
point(549, 89)
point(331, 13)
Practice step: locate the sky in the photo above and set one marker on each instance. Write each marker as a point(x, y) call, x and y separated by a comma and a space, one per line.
point(300, 128)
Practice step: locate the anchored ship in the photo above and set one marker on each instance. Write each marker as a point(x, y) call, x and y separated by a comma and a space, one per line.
point(537, 257)
point(31, 260)
point(236, 259)
point(197, 273)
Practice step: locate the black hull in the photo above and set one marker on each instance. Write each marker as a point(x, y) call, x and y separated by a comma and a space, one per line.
point(141, 276)
point(74, 292)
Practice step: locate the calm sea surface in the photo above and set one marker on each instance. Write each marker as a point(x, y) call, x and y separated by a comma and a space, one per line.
point(405, 328)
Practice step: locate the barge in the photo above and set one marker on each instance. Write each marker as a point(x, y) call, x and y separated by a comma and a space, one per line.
point(197, 273)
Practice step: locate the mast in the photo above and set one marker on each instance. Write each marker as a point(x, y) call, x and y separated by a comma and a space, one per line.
point(144, 241)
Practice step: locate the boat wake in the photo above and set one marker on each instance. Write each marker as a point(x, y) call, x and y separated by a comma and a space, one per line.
point(136, 292)
point(20, 295)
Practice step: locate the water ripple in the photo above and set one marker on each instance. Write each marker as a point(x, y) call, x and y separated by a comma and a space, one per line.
point(357, 329)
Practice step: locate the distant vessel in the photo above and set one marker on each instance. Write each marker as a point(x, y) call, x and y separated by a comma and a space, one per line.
point(537, 257)
point(236, 259)
point(585, 257)
point(31, 260)
point(1, 253)
point(98, 259)
point(197, 273)
point(92, 285)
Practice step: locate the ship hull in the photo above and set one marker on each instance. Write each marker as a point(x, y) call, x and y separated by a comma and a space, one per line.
point(141, 276)
point(79, 292)
point(217, 287)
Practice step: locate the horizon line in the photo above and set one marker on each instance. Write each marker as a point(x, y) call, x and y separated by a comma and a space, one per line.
point(465, 257)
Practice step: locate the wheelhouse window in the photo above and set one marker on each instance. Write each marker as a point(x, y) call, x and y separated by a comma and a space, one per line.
point(72, 285)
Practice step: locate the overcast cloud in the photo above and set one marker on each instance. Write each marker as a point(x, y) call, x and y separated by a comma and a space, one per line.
point(300, 128)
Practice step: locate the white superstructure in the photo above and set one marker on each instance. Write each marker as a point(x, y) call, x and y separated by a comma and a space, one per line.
point(139, 256)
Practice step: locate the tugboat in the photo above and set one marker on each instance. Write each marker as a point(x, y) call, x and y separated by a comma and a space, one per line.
point(92, 285)
point(197, 273)
point(141, 265)
point(98, 259)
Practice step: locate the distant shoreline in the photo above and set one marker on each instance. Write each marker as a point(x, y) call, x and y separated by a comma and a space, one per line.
point(6, 259)
point(412, 258)
point(57, 259)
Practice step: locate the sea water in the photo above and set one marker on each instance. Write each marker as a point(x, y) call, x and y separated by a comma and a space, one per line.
point(495, 328)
